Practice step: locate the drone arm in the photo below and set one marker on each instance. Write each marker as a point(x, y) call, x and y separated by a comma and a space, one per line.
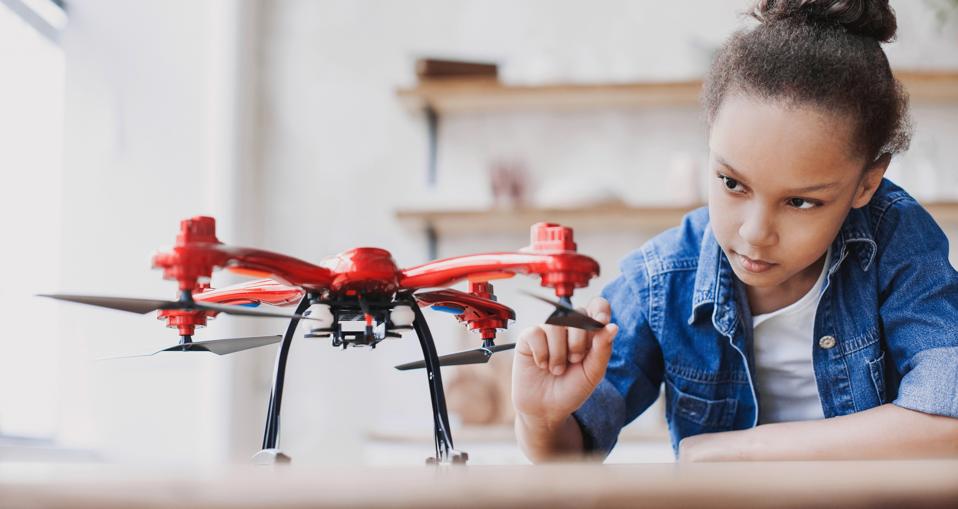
point(292, 271)
point(477, 309)
point(563, 271)
point(265, 291)
point(198, 252)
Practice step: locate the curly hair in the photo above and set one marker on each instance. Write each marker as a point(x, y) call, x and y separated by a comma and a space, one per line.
point(824, 53)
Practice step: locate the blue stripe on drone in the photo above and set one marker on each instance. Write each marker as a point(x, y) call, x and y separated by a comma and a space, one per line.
point(448, 309)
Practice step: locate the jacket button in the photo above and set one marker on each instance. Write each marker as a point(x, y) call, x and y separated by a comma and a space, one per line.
point(826, 342)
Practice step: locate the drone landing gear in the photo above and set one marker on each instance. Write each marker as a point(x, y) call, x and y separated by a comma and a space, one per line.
point(271, 455)
point(445, 453)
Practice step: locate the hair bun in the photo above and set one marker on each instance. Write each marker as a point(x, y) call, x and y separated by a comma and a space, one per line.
point(869, 18)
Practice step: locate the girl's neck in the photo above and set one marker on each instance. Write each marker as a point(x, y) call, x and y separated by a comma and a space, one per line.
point(766, 300)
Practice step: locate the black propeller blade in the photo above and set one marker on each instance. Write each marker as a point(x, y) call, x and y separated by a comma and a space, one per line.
point(217, 346)
point(477, 356)
point(567, 316)
point(143, 306)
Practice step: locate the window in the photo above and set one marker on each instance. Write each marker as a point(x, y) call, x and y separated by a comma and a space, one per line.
point(31, 125)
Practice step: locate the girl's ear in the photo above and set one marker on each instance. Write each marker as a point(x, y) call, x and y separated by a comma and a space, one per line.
point(871, 179)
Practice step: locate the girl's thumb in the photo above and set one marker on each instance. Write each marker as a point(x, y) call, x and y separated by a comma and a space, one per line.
point(597, 359)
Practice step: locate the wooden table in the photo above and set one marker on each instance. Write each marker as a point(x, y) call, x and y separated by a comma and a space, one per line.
point(926, 483)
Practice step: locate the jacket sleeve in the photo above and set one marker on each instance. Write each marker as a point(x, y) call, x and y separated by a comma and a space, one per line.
point(635, 370)
point(919, 308)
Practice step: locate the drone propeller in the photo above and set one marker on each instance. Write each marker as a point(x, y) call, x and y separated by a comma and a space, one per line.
point(217, 346)
point(143, 306)
point(477, 356)
point(567, 316)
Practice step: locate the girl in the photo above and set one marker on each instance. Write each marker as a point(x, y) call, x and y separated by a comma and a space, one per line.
point(810, 312)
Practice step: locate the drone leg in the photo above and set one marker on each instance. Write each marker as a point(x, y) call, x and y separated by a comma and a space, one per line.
point(270, 453)
point(445, 453)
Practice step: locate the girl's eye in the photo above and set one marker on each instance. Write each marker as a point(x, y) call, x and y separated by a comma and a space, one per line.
point(801, 203)
point(731, 184)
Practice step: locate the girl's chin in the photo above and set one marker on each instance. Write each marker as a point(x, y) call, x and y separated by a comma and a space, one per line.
point(765, 279)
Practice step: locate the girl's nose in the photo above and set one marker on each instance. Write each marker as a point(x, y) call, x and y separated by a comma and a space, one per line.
point(758, 229)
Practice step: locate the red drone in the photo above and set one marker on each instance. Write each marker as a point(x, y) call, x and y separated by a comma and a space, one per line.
point(357, 298)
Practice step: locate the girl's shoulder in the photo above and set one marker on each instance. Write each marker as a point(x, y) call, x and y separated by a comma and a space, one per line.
point(891, 209)
point(678, 248)
point(901, 233)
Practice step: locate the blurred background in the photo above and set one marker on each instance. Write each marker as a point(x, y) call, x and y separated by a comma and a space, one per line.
point(306, 127)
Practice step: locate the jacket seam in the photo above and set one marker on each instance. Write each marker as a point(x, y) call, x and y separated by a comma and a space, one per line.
point(884, 210)
point(862, 342)
point(692, 375)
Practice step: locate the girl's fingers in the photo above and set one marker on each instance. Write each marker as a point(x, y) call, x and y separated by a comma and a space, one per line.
point(579, 342)
point(552, 347)
point(558, 348)
point(533, 342)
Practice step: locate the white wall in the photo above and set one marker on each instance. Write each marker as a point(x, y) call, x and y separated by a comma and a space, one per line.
point(153, 135)
point(31, 99)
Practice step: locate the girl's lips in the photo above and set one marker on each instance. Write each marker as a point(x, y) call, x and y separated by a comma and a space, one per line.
point(753, 266)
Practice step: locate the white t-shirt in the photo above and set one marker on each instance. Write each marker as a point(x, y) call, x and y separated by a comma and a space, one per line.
point(783, 341)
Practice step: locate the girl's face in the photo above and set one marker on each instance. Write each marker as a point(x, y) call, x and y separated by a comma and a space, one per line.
point(783, 178)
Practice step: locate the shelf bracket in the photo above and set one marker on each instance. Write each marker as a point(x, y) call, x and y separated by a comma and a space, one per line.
point(432, 132)
point(432, 241)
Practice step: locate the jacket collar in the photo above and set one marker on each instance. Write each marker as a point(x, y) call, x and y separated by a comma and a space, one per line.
point(856, 233)
point(715, 283)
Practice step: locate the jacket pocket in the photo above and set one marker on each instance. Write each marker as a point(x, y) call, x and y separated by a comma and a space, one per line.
point(707, 413)
point(877, 369)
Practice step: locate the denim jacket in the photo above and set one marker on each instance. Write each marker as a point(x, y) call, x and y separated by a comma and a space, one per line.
point(886, 328)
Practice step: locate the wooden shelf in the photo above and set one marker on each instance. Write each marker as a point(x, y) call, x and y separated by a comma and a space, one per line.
point(930, 86)
point(596, 218)
point(471, 95)
point(611, 217)
point(438, 97)
point(462, 96)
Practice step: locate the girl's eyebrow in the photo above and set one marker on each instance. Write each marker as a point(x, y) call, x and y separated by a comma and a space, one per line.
point(731, 169)
point(807, 189)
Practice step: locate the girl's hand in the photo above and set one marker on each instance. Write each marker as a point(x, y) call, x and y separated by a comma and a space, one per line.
point(557, 368)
